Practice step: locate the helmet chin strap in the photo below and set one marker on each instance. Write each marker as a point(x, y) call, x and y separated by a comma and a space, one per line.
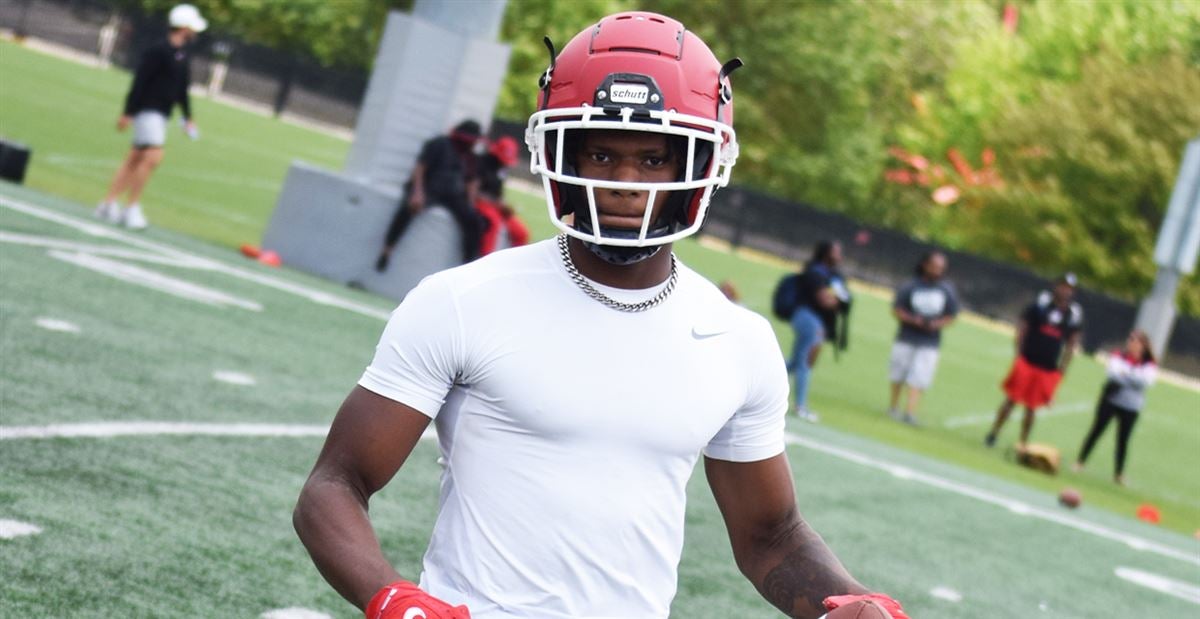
point(613, 254)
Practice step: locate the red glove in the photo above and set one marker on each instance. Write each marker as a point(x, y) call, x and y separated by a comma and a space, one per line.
point(888, 604)
point(404, 600)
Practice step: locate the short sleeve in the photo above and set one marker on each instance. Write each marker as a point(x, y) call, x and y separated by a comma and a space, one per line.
point(903, 298)
point(420, 353)
point(952, 306)
point(756, 431)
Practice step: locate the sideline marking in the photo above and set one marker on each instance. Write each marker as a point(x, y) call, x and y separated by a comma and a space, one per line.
point(110, 429)
point(99, 250)
point(946, 593)
point(973, 419)
point(1013, 505)
point(1162, 584)
point(316, 296)
point(157, 281)
point(11, 529)
point(294, 612)
point(234, 378)
point(54, 324)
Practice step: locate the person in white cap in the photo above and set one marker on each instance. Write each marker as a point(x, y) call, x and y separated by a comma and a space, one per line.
point(160, 82)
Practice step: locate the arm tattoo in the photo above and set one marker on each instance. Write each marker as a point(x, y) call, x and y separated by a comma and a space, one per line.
point(808, 573)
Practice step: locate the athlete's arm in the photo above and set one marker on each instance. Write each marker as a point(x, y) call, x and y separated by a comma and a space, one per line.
point(416, 193)
point(775, 549)
point(1068, 352)
point(1022, 327)
point(370, 439)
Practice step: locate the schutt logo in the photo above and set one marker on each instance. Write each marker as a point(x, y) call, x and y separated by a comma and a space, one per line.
point(629, 93)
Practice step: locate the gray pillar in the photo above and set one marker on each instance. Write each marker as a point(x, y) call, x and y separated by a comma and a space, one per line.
point(1175, 252)
point(433, 69)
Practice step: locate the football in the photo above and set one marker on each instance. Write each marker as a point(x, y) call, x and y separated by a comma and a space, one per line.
point(862, 609)
point(1070, 497)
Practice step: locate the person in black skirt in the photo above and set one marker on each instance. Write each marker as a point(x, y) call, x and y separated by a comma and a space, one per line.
point(1130, 372)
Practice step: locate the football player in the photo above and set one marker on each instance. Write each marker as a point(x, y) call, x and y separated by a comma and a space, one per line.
point(575, 382)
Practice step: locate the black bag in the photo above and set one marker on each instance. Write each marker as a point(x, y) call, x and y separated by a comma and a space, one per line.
point(787, 297)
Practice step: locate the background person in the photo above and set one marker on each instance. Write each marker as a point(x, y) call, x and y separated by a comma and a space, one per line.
point(496, 214)
point(822, 301)
point(924, 307)
point(1130, 372)
point(1047, 335)
point(575, 382)
point(446, 175)
point(160, 82)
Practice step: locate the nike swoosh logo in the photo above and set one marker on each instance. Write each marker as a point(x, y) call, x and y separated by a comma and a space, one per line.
point(414, 613)
point(704, 335)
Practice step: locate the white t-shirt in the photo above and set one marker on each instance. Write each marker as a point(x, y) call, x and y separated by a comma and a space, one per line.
point(569, 429)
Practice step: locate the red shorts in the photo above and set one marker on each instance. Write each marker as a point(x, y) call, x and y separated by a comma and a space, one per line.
point(1030, 385)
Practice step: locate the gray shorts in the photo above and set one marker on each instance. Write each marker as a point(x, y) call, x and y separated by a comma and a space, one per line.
point(149, 129)
point(913, 365)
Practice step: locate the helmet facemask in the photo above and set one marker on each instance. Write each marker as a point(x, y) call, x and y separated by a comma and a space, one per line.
point(637, 72)
point(554, 139)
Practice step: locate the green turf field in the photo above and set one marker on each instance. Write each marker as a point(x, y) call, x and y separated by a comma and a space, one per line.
point(199, 524)
point(189, 524)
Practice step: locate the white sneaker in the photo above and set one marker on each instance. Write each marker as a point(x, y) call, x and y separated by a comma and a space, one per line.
point(108, 211)
point(807, 415)
point(134, 219)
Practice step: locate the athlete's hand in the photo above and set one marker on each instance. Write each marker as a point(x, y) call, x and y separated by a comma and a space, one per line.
point(891, 606)
point(404, 600)
point(123, 122)
point(416, 201)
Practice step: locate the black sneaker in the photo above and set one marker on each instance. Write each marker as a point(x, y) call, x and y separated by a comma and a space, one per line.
point(990, 440)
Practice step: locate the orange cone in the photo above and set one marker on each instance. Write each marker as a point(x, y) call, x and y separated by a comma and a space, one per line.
point(1149, 513)
point(251, 251)
point(270, 258)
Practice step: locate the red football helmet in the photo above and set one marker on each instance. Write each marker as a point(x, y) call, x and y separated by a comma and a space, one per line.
point(634, 71)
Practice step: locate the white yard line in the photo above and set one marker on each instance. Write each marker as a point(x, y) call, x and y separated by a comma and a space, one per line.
point(48, 242)
point(1162, 584)
point(1017, 507)
point(11, 529)
point(111, 429)
point(316, 296)
point(155, 281)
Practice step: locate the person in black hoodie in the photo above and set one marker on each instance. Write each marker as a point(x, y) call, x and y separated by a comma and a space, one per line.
point(159, 83)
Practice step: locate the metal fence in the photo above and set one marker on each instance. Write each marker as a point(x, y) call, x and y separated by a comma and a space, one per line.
point(288, 83)
point(284, 82)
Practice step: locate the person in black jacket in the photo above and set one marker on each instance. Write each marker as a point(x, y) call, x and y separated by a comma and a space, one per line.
point(159, 83)
point(445, 175)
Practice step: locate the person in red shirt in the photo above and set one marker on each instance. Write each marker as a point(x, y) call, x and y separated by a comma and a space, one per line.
point(498, 215)
point(1047, 336)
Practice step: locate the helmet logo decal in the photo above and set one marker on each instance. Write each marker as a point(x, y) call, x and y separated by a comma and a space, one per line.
point(636, 94)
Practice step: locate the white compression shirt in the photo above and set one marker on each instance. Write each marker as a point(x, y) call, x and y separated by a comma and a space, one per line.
point(569, 429)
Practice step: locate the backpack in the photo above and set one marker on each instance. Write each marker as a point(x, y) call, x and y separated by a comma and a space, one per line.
point(787, 297)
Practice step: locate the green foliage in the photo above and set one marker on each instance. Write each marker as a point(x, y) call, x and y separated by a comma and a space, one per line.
point(525, 23)
point(1091, 167)
point(1087, 108)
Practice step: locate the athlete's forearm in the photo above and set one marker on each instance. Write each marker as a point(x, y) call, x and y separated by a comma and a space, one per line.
point(796, 571)
point(331, 520)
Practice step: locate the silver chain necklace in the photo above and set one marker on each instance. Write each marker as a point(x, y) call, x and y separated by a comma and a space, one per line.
point(590, 290)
